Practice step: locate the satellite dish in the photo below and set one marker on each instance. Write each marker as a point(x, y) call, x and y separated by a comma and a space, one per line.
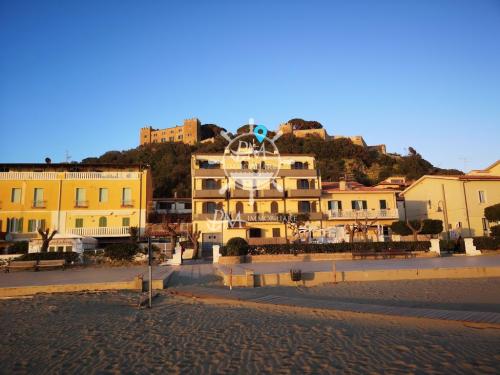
point(48, 161)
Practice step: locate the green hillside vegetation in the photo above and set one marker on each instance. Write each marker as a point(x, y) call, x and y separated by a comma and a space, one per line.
point(171, 162)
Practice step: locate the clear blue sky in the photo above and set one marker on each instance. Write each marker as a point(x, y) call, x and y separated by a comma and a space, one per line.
point(84, 76)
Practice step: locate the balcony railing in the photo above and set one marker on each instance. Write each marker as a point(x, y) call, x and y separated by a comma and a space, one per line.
point(304, 193)
point(363, 214)
point(211, 193)
point(312, 215)
point(39, 204)
point(100, 231)
point(127, 203)
point(81, 204)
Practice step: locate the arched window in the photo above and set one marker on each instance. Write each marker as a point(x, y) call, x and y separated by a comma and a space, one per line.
point(306, 165)
point(209, 207)
point(254, 206)
point(262, 165)
point(312, 184)
point(239, 207)
point(274, 207)
point(313, 207)
point(244, 165)
point(103, 222)
point(209, 184)
point(302, 184)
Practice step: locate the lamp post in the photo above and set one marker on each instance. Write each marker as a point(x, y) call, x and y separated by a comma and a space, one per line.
point(445, 217)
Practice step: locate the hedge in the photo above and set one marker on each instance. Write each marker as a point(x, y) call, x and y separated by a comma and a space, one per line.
point(121, 251)
point(487, 243)
point(20, 247)
point(344, 247)
point(69, 256)
point(495, 230)
point(452, 246)
point(236, 246)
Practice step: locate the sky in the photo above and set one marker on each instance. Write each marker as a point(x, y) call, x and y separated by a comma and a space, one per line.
point(79, 78)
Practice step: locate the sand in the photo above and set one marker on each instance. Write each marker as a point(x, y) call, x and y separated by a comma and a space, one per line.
point(104, 333)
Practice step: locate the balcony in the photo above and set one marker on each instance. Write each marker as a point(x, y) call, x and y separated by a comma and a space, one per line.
point(100, 232)
point(264, 193)
point(363, 214)
point(208, 172)
point(39, 204)
point(266, 240)
point(212, 193)
point(298, 173)
point(127, 204)
point(312, 215)
point(81, 204)
point(304, 193)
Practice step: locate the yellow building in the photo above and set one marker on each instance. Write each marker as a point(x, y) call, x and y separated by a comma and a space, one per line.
point(459, 201)
point(249, 195)
point(350, 203)
point(80, 199)
point(189, 133)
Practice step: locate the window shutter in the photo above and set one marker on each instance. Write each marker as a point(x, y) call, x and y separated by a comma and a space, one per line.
point(365, 206)
point(20, 225)
point(339, 205)
point(330, 205)
point(353, 205)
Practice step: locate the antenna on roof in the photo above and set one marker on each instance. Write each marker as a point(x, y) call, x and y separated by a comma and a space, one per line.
point(67, 156)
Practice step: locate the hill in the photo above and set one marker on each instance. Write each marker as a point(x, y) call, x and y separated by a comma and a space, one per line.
point(171, 162)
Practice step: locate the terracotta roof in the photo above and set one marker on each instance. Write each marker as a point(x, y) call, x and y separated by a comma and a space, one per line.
point(352, 186)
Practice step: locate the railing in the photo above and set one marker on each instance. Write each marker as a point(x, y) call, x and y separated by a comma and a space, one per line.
point(29, 175)
point(81, 204)
point(69, 175)
point(211, 193)
point(39, 204)
point(128, 203)
point(100, 231)
point(102, 175)
point(302, 193)
point(312, 215)
point(363, 214)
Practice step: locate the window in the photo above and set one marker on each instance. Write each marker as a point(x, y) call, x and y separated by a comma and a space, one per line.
point(304, 206)
point(210, 207)
point(335, 205)
point(482, 196)
point(103, 195)
point(179, 137)
point(34, 224)
point(79, 223)
point(359, 205)
point(187, 206)
point(52, 249)
point(302, 184)
point(80, 199)
point(244, 165)
point(69, 249)
point(255, 232)
point(127, 197)
point(262, 165)
point(171, 139)
point(255, 207)
point(60, 249)
point(15, 196)
point(298, 165)
point(276, 232)
point(15, 225)
point(163, 140)
point(103, 222)
point(274, 207)
point(239, 207)
point(383, 204)
point(211, 184)
point(125, 222)
point(38, 198)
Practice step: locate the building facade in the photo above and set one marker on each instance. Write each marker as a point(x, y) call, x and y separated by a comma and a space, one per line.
point(251, 196)
point(459, 201)
point(350, 203)
point(189, 133)
point(101, 201)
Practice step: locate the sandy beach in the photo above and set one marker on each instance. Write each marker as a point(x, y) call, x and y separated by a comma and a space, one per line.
point(107, 333)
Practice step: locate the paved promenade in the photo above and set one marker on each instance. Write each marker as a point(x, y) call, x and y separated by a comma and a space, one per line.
point(366, 265)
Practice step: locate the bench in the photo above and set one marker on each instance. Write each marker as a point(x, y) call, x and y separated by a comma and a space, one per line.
point(21, 265)
point(52, 263)
point(382, 254)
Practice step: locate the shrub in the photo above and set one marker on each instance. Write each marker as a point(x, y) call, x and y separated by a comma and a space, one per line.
point(344, 247)
point(495, 230)
point(487, 243)
point(432, 226)
point(400, 227)
point(68, 256)
point(121, 251)
point(452, 246)
point(20, 247)
point(236, 246)
point(492, 213)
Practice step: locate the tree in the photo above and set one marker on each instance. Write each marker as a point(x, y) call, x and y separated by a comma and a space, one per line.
point(492, 213)
point(400, 228)
point(193, 236)
point(294, 223)
point(432, 227)
point(46, 238)
point(364, 226)
point(416, 227)
point(134, 234)
point(237, 246)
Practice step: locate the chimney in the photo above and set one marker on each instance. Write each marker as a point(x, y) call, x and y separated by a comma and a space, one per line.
point(342, 184)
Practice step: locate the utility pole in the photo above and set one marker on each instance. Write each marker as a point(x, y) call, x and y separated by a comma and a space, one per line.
point(150, 267)
point(445, 212)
